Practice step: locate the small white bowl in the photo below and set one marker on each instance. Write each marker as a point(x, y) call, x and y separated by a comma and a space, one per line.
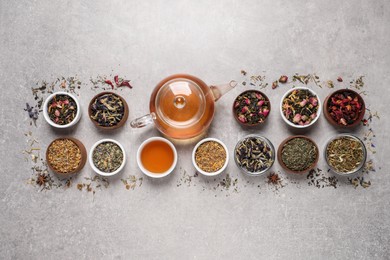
point(90, 158)
point(46, 115)
point(152, 174)
point(291, 123)
point(210, 173)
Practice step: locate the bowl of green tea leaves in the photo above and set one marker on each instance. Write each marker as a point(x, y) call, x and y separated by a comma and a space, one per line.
point(300, 107)
point(345, 154)
point(107, 157)
point(251, 108)
point(108, 110)
point(254, 155)
point(62, 110)
point(298, 154)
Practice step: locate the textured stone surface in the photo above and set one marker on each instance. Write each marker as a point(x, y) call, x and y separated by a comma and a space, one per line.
point(214, 40)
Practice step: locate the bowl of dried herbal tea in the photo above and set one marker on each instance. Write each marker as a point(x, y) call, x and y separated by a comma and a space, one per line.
point(300, 107)
point(298, 154)
point(344, 108)
point(61, 110)
point(108, 110)
point(107, 157)
point(345, 154)
point(254, 155)
point(251, 108)
point(210, 157)
point(66, 155)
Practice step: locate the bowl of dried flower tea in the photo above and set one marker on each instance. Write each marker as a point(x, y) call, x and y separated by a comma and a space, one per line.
point(344, 108)
point(298, 154)
point(254, 155)
point(300, 107)
point(61, 110)
point(66, 155)
point(251, 108)
point(107, 157)
point(210, 157)
point(108, 110)
point(156, 157)
point(345, 154)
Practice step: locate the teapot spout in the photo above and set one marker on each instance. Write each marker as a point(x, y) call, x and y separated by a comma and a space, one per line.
point(220, 90)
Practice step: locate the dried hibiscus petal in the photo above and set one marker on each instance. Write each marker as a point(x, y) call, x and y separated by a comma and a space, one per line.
point(109, 83)
point(125, 83)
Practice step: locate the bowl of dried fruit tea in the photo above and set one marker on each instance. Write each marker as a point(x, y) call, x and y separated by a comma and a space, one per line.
point(254, 155)
point(344, 108)
point(210, 157)
point(66, 156)
point(108, 110)
point(298, 154)
point(300, 107)
point(345, 154)
point(61, 110)
point(251, 108)
point(107, 157)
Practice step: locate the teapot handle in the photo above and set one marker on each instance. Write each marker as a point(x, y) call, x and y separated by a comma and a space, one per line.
point(143, 120)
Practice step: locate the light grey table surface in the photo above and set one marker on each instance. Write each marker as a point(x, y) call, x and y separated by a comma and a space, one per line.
point(146, 41)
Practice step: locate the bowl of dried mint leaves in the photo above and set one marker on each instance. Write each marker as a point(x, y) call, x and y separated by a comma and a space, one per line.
point(210, 157)
point(61, 110)
point(108, 110)
point(107, 157)
point(298, 154)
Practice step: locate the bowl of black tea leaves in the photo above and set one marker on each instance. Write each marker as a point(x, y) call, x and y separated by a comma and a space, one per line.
point(108, 110)
point(254, 155)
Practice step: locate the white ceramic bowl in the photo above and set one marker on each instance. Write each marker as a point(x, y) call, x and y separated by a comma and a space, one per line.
point(152, 174)
point(90, 158)
point(46, 115)
point(210, 173)
point(291, 123)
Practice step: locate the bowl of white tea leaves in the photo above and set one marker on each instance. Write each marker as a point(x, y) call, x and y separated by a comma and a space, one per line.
point(345, 154)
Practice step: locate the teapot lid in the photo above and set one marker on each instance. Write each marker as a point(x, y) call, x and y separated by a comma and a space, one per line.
point(180, 102)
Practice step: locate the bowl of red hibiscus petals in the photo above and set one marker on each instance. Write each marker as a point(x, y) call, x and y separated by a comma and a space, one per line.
point(61, 110)
point(300, 107)
point(344, 108)
point(251, 108)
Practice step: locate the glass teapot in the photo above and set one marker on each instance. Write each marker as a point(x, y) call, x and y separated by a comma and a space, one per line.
point(182, 106)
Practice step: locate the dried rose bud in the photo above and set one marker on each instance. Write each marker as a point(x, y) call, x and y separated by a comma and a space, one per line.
point(275, 84)
point(260, 103)
point(304, 118)
point(283, 79)
point(57, 112)
point(258, 96)
point(313, 116)
point(236, 104)
point(339, 79)
point(247, 101)
point(303, 103)
point(313, 101)
point(242, 118)
point(265, 112)
point(297, 118)
point(244, 109)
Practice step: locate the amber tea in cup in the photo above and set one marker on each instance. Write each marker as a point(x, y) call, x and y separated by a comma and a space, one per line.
point(157, 157)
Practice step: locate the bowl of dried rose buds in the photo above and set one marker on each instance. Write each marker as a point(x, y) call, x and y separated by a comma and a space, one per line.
point(61, 110)
point(251, 108)
point(300, 107)
point(344, 108)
